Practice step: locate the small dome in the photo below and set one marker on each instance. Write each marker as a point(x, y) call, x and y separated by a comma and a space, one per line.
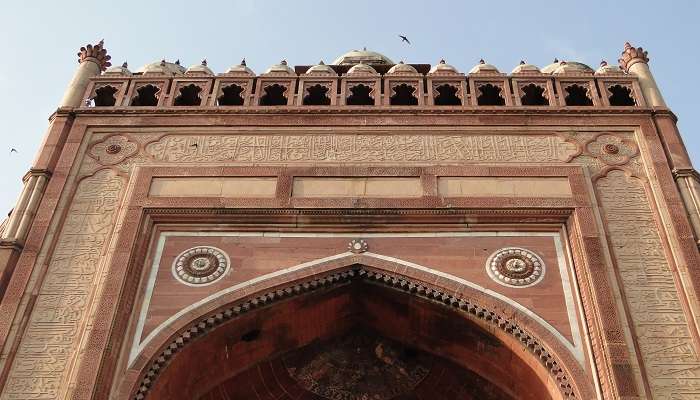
point(483, 68)
point(524, 68)
point(443, 68)
point(569, 67)
point(163, 67)
point(280, 69)
point(402, 68)
point(605, 68)
point(118, 70)
point(240, 69)
point(199, 69)
point(548, 69)
point(362, 69)
point(321, 69)
point(363, 56)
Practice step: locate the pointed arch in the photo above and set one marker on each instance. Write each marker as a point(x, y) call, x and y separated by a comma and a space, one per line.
point(505, 320)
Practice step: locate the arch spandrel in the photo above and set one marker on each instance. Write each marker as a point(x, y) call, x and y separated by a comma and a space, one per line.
point(554, 363)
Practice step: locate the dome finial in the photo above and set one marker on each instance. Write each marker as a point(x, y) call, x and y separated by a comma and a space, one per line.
point(364, 48)
point(603, 63)
point(162, 62)
point(125, 65)
point(321, 63)
point(481, 61)
point(204, 62)
point(177, 62)
point(522, 62)
point(556, 60)
point(283, 62)
point(243, 62)
point(442, 61)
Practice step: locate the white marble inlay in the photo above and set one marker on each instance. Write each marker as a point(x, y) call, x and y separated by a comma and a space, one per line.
point(574, 347)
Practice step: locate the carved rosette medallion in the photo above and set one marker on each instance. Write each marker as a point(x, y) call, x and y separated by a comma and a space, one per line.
point(201, 265)
point(113, 150)
point(611, 149)
point(358, 246)
point(515, 267)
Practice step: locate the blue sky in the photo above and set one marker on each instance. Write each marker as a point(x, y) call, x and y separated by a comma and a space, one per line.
point(39, 40)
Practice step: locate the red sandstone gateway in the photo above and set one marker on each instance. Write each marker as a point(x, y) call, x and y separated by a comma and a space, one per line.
point(360, 230)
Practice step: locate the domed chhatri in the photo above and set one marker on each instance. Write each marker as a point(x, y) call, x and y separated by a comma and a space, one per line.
point(484, 68)
point(572, 67)
point(240, 69)
point(280, 69)
point(443, 68)
point(525, 68)
point(362, 69)
point(199, 69)
point(321, 69)
point(162, 67)
point(363, 56)
point(401, 68)
point(606, 68)
point(118, 70)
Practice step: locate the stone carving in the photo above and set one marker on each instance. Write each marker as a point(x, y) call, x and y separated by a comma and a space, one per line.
point(97, 54)
point(361, 148)
point(201, 265)
point(611, 149)
point(358, 366)
point(515, 267)
point(665, 342)
point(57, 323)
point(452, 300)
point(358, 246)
point(113, 150)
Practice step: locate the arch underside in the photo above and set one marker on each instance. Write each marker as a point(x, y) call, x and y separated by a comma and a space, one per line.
point(459, 349)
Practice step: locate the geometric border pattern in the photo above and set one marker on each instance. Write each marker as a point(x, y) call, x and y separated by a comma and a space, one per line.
point(345, 276)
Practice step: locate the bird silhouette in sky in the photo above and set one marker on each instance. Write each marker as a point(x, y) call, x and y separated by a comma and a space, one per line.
point(13, 150)
point(404, 39)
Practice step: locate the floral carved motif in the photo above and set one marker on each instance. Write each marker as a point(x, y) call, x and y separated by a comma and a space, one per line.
point(515, 266)
point(358, 246)
point(611, 149)
point(113, 150)
point(201, 265)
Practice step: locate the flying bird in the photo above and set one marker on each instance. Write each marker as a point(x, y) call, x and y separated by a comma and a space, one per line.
point(404, 39)
point(13, 150)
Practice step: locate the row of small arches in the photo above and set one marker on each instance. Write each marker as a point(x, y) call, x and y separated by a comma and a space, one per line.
point(360, 95)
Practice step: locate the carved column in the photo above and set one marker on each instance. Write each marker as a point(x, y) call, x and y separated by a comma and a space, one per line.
point(93, 60)
point(634, 60)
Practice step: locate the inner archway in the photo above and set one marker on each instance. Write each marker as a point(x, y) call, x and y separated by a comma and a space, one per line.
point(270, 345)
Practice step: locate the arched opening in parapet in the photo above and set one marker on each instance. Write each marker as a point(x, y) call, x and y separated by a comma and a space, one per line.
point(490, 96)
point(274, 96)
point(533, 95)
point(403, 96)
point(105, 96)
point(577, 96)
point(620, 96)
point(146, 96)
point(231, 96)
point(189, 96)
point(447, 96)
point(360, 96)
point(317, 95)
point(359, 333)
